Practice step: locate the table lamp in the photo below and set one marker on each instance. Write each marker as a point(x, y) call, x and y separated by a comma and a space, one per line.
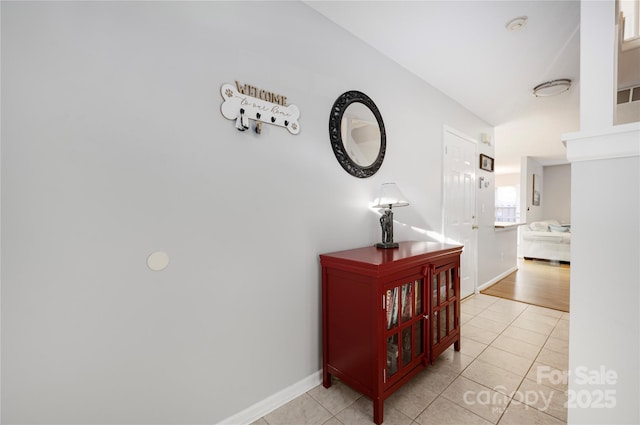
point(390, 196)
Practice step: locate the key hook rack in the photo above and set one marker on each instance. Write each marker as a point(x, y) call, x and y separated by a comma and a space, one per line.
point(242, 108)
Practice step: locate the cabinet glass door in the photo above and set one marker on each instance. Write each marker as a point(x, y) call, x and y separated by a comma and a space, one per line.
point(404, 305)
point(444, 303)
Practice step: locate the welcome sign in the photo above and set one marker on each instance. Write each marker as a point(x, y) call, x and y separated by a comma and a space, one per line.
point(244, 102)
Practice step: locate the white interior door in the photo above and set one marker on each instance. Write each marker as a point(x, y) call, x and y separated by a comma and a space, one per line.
point(459, 204)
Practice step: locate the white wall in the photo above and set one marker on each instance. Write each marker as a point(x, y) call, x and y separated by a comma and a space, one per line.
point(557, 193)
point(528, 211)
point(496, 249)
point(511, 179)
point(555, 201)
point(628, 112)
point(628, 65)
point(500, 259)
point(113, 146)
point(497, 253)
point(628, 76)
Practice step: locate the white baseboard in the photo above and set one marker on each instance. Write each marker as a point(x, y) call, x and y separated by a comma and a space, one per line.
point(274, 401)
point(497, 278)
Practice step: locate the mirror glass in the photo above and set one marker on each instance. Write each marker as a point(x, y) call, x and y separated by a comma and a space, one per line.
point(357, 134)
point(360, 134)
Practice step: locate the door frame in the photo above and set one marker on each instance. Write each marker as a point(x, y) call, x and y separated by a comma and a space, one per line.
point(474, 254)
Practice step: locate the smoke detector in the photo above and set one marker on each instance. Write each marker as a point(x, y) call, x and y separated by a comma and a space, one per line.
point(516, 24)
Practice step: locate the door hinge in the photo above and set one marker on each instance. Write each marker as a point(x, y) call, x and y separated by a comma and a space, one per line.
point(384, 376)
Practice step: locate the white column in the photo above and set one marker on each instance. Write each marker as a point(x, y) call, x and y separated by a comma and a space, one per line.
point(597, 55)
point(604, 342)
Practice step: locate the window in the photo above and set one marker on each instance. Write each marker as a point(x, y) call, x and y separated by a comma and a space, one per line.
point(508, 204)
point(630, 10)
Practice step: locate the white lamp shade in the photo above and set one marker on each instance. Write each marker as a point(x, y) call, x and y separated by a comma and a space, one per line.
point(390, 195)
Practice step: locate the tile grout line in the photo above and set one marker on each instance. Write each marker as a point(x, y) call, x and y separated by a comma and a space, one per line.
point(529, 370)
point(459, 373)
point(524, 377)
point(474, 359)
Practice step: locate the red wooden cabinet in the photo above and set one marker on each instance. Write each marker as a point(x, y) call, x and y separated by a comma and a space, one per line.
point(387, 313)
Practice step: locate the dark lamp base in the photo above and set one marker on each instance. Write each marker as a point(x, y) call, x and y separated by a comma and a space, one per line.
point(386, 245)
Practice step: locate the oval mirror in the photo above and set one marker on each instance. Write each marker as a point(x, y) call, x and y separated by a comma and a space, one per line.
point(357, 134)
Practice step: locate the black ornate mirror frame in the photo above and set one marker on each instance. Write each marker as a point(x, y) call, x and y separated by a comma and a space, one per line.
point(335, 134)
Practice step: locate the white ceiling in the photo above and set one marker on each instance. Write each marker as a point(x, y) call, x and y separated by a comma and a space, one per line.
point(464, 49)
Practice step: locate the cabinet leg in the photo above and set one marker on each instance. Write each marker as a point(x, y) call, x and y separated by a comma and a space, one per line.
point(456, 345)
point(378, 406)
point(326, 379)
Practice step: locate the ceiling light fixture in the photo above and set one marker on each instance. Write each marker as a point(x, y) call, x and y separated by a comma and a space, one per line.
point(516, 24)
point(552, 88)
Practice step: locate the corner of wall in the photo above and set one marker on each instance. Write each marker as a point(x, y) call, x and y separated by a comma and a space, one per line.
point(529, 168)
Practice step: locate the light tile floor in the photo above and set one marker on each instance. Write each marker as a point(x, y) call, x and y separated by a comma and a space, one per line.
point(509, 371)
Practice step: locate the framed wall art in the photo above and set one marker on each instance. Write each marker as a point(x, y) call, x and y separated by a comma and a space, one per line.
point(486, 163)
point(536, 191)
